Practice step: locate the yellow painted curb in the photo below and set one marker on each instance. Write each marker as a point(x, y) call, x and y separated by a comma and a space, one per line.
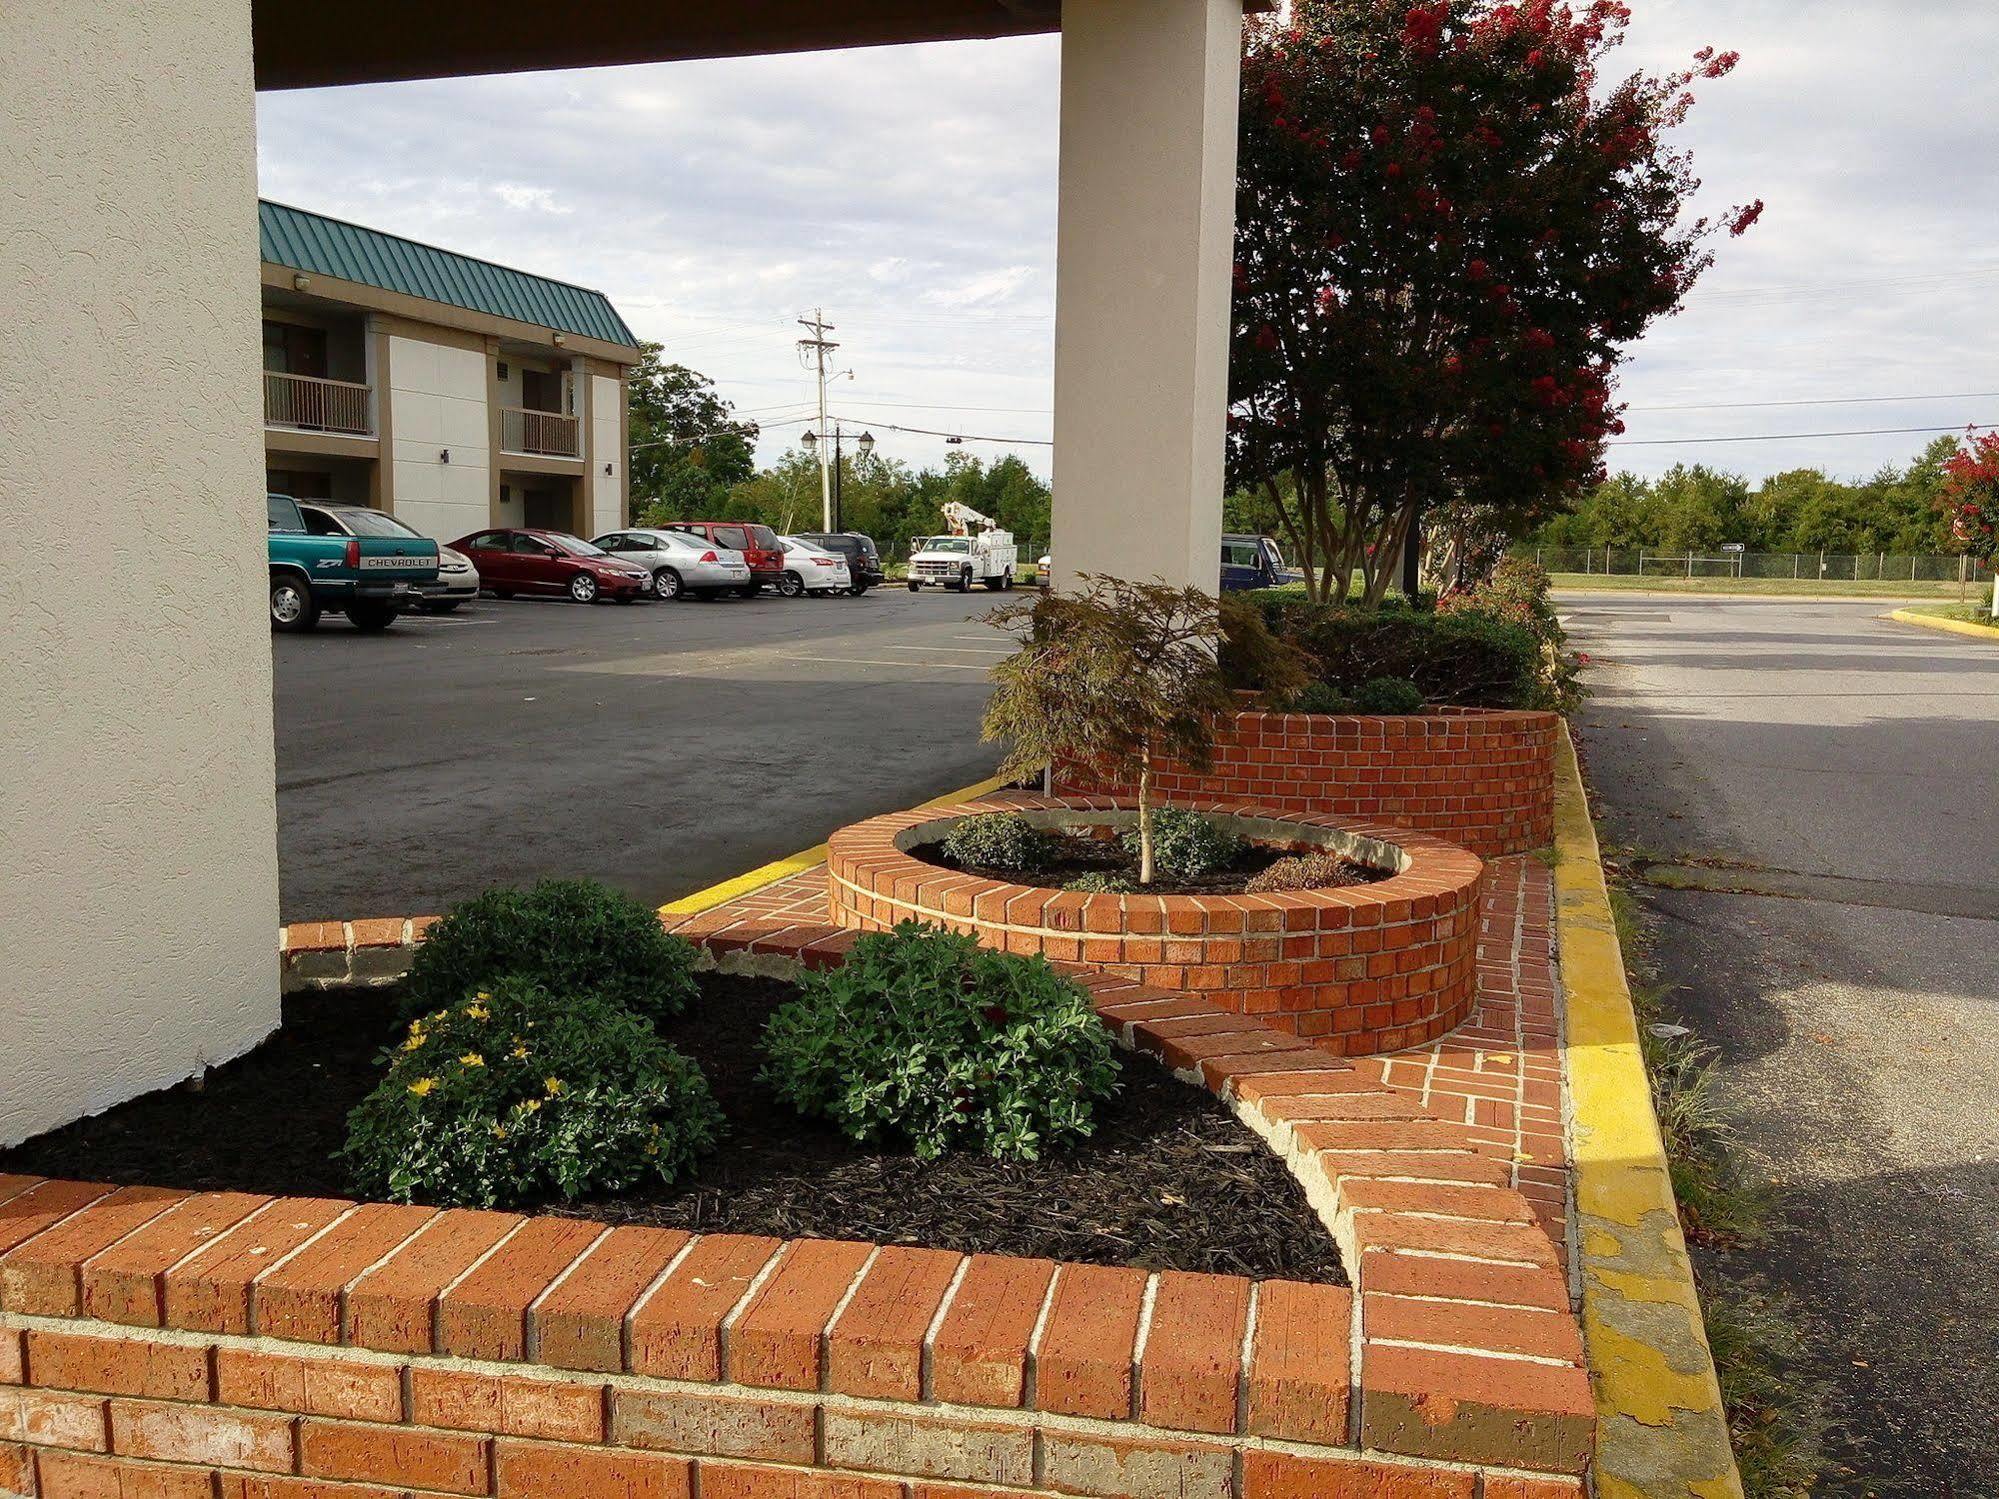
point(1938, 622)
point(798, 863)
point(1661, 1429)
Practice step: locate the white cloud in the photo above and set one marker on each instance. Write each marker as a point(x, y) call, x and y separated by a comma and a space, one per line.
point(518, 195)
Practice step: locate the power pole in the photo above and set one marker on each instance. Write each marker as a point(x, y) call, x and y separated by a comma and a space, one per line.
point(813, 351)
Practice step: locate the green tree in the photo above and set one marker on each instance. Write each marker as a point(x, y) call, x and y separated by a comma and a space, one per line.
point(687, 446)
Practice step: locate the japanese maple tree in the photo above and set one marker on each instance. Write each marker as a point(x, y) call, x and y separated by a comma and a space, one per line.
point(1447, 225)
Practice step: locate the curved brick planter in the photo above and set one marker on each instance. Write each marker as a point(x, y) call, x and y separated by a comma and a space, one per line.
point(1360, 970)
point(1481, 777)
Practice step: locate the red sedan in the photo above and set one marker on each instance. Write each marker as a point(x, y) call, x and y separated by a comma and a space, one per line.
point(522, 560)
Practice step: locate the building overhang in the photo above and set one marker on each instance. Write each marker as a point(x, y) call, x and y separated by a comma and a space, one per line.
point(378, 41)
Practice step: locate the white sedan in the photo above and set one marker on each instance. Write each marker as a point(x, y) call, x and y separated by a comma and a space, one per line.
point(680, 564)
point(807, 569)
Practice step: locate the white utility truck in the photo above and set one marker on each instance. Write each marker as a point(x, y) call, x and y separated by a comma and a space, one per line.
point(975, 551)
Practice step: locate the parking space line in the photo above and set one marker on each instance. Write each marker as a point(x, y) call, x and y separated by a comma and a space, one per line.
point(956, 650)
point(878, 661)
point(798, 863)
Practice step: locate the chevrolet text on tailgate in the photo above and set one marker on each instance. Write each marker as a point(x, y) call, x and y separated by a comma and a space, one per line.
point(370, 577)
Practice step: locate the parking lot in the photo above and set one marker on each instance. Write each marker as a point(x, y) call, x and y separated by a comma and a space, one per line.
point(660, 747)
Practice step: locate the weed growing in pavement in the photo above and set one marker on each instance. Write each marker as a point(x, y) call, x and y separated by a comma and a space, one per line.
point(1777, 1417)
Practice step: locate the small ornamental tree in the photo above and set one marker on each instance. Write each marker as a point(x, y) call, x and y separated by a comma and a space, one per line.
point(1119, 675)
point(1969, 500)
point(1448, 224)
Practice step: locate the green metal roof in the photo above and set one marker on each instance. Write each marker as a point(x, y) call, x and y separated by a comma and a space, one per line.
point(332, 247)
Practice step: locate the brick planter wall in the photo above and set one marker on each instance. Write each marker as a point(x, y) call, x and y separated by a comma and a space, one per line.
point(1480, 777)
point(1360, 969)
point(193, 1345)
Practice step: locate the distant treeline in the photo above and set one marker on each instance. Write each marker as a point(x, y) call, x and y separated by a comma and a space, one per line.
point(1696, 508)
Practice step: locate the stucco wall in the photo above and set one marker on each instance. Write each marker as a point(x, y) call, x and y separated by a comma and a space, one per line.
point(437, 404)
point(606, 445)
point(138, 852)
point(1143, 245)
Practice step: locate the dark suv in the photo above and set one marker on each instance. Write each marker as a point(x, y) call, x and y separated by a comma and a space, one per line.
point(864, 563)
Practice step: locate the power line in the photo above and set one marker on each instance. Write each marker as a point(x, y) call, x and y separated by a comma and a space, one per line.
point(1039, 442)
point(1664, 442)
point(1960, 395)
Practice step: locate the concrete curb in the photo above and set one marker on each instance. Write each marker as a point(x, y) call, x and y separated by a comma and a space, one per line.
point(1938, 622)
point(1661, 1429)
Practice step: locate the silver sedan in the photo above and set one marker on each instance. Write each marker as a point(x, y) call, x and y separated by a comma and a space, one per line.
point(680, 564)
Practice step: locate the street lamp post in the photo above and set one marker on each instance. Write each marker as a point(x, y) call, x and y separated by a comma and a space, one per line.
point(864, 444)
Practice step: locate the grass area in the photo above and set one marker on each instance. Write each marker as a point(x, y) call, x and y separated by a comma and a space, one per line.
point(1978, 613)
point(1752, 587)
point(1777, 1417)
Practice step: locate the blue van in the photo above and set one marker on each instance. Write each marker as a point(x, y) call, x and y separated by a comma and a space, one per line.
point(1253, 562)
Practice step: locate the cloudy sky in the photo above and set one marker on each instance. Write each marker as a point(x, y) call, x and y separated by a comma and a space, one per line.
point(910, 192)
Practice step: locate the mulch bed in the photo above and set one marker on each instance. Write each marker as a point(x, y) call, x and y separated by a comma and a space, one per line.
point(1080, 854)
point(1169, 1181)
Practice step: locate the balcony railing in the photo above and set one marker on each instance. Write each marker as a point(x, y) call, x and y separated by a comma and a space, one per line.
point(314, 405)
point(548, 433)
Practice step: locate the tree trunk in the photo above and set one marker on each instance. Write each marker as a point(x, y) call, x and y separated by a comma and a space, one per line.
point(1145, 815)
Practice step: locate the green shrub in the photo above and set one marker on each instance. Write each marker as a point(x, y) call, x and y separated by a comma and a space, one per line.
point(925, 1037)
point(1389, 695)
point(570, 936)
point(998, 840)
point(1187, 844)
point(1321, 697)
point(1467, 658)
point(1102, 882)
point(514, 1095)
point(1300, 872)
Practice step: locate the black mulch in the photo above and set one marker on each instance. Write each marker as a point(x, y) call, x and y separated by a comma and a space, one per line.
point(1170, 1180)
point(1077, 855)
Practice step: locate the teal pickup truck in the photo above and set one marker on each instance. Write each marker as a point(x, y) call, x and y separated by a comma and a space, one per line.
point(371, 579)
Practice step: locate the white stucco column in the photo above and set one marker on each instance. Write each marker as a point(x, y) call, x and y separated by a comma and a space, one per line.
point(138, 860)
point(1144, 245)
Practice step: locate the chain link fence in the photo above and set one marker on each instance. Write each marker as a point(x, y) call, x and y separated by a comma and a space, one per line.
point(1856, 567)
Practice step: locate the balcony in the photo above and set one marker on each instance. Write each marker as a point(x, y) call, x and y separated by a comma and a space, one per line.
point(548, 434)
point(309, 404)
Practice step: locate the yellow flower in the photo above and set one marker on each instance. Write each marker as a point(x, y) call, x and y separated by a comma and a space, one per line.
point(528, 1105)
point(417, 1038)
point(520, 1052)
point(482, 994)
point(477, 1012)
point(472, 1059)
point(423, 1085)
point(553, 1084)
point(499, 1132)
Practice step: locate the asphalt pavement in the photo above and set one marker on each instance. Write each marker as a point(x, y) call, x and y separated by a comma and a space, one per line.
point(1810, 797)
point(660, 747)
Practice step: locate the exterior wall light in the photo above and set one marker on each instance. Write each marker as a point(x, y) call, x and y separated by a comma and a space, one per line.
point(301, 282)
point(560, 339)
point(444, 455)
point(607, 468)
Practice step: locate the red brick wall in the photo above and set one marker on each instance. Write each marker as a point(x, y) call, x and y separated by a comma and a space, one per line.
point(159, 1345)
point(1481, 778)
point(1364, 969)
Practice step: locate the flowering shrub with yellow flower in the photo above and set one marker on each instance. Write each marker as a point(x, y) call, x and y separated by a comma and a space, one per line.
point(517, 1094)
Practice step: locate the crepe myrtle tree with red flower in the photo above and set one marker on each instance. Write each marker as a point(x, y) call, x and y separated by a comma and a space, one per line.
point(1447, 226)
point(1969, 500)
